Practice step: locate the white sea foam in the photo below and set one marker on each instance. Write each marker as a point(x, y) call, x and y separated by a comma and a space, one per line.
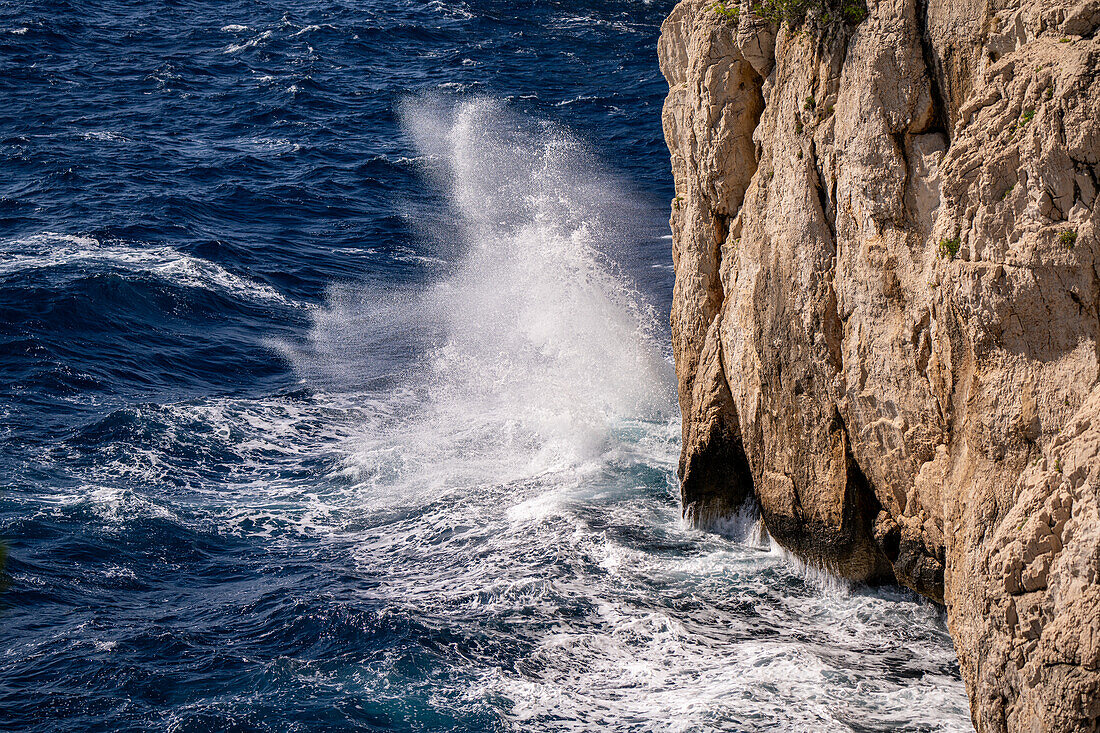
point(263, 145)
point(457, 10)
point(311, 29)
point(251, 43)
point(539, 348)
point(745, 527)
point(79, 254)
point(104, 136)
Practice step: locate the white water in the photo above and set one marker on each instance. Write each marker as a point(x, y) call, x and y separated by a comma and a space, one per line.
point(531, 354)
point(68, 256)
point(515, 467)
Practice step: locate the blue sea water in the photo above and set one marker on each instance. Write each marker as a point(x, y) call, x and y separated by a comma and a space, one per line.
point(335, 391)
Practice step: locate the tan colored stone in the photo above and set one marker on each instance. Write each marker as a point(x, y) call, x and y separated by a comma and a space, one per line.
point(883, 331)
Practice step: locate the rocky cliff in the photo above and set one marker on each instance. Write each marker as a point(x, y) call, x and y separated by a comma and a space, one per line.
point(885, 317)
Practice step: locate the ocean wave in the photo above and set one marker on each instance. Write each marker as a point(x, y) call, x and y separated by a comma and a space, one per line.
point(457, 10)
point(105, 136)
point(251, 43)
point(80, 255)
point(521, 488)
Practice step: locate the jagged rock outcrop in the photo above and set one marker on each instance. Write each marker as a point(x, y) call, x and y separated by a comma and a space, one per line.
point(885, 317)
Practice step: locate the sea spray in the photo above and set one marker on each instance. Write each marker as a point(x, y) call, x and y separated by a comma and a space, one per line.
point(533, 347)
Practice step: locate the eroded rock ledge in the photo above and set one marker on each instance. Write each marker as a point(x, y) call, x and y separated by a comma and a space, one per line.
point(885, 317)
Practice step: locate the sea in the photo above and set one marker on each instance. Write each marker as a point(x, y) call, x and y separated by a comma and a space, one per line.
point(336, 391)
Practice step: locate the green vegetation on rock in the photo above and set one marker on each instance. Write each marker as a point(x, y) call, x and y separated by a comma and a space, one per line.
point(795, 12)
point(949, 248)
point(722, 9)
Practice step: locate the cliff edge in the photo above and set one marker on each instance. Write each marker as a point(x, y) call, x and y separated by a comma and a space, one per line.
point(885, 318)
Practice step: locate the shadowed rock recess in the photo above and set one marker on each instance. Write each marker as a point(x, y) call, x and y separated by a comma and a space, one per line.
point(885, 318)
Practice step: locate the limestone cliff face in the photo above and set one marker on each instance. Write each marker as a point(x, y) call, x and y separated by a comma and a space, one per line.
point(885, 317)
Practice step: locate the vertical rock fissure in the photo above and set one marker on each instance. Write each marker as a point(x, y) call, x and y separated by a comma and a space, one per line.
point(940, 121)
point(828, 210)
point(861, 508)
point(715, 160)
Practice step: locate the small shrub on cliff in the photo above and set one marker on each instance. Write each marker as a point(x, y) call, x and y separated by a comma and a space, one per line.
point(729, 13)
point(810, 104)
point(1068, 238)
point(853, 12)
point(949, 248)
point(825, 12)
point(1027, 117)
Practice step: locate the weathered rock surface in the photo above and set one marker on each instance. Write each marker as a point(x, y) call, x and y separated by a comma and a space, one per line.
point(885, 317)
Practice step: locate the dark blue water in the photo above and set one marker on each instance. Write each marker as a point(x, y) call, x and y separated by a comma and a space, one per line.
point(335, 395)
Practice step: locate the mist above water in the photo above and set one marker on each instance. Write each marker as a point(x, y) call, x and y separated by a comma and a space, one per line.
point(529, 350)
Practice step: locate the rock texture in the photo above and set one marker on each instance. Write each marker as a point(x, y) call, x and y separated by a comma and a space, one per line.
point(885, 317)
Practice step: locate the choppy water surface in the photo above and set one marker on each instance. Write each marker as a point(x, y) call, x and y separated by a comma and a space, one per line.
point(335, 392)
